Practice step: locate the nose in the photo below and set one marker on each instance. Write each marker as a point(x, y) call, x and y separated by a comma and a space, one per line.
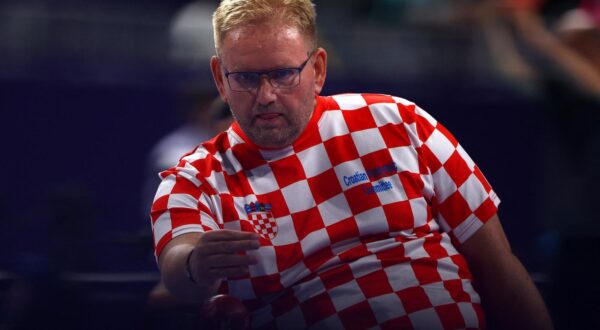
point(265, 93)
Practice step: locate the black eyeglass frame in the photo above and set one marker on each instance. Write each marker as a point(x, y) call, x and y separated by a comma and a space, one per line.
point(268, 74)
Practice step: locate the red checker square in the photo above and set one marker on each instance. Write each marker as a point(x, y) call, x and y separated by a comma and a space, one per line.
point(394, 135)
point(185, 186)
point(237, 184)
point(359, 119)
point(454, 209)
point(433, 162)
point(317, 308)
point(267, 284)
point(359, 201)
point(159, 207)
point(287, 170)
point(378, 164)
point(315, 260)
point(228, 208)
point(341, 149)
point(392, 256)
point(279, 206)
point(183, 216)
point(412, 183)
point(359, 316)
point(407, 112)
point(457, 168)
point(375, 284)
point(307, 140)
point(450, 316)
point(434, 248)
point(342, 230)
point(250, 158)
point(284, 303)
point(324, 186)
point(306, 222)
point(288, 255)
point(163, 242)
point(336, 276)
point(486, 210)
point(377, 98)
point(424, 128)
point(402, 322)
point(426, 271)
point(456, 291)
point(463, 269)
point(354, 253)
point(482, 179)
point(399, 215)
point(414, 299)
point(447, 134)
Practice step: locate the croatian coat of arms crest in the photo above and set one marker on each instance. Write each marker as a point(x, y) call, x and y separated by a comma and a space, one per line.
point(261, 217)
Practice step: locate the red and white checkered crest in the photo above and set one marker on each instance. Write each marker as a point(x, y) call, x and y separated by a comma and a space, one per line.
point(264, 224)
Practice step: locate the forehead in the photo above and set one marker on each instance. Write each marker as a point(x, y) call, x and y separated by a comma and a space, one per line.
point(263, 46)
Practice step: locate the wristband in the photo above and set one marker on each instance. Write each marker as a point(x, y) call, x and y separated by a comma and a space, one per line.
point(188, 271)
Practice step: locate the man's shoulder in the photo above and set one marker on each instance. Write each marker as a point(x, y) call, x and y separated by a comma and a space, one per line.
point(353, 101)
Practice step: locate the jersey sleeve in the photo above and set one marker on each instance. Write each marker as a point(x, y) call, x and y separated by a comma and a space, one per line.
point(463, 200)
point(181, 205)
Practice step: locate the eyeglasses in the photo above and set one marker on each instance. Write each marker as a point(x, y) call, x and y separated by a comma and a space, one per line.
point(278, 78)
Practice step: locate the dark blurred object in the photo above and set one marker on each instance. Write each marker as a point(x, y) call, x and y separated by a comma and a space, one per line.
point(225, 312)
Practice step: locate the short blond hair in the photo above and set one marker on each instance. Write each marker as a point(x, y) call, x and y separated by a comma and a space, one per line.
point(231, 14)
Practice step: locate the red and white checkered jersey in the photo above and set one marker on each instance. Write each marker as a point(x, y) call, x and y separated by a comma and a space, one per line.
point(359, 218)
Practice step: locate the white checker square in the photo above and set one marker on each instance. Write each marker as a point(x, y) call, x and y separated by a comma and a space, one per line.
point(382, 245)
point(241, 289)
point(368, 140)
point(230, 163)
point(401, 276)
point(315, 241)
point(447, 269)
point(402, 101)
point(182, 201)
point(473, 192)
point(262, 180)
point(441, 147)
point(365, 265)
point(396, 194)
point(267, 264)
point(467, 228)
point(217, 180)
point(332, 124)
point(414, 249)
point(411, 129)
point(286, 233)
point(469, 315)
point(444, 186)
point(162, 226)
point(298, 196)
point(189, 172)
point(294, 319)
point(165, 187)
point(387, 307)
point(437, 294)
point(233, 225)
point(464, 155)
point(348, 169)
point(419, 208)
point(385, 113)
point(372, 221)
point(350, 101)
point(309, 289)
point(332, 322)
point(186, 229)
point(335, 209)
point(419, 111)
point(405, 158)
point(346, 295)
point(276, 154)
point(426, 319)
point(314, 160)
point(294, 274)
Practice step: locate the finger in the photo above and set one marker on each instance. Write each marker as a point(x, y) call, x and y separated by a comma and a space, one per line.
point(232, 260)
point(228, 235)
point(226, 247)
point(217, 273)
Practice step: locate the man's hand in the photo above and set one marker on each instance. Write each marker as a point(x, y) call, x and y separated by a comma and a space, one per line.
point(219, 254)
point(213, 255)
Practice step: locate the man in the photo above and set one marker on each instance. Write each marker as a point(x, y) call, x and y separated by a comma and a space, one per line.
point(349, 211)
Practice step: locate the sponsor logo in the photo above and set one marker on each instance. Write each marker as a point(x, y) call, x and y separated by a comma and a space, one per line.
point(261, 218)
point(372, 174)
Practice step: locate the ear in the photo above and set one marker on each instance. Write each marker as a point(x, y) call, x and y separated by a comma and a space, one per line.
point(218, 76)
point(320, 67)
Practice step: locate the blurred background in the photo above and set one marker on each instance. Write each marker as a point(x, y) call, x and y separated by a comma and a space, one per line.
point(93, 95)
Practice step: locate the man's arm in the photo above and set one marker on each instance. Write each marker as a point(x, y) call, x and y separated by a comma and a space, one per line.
point(508, 294)
point(209, 257)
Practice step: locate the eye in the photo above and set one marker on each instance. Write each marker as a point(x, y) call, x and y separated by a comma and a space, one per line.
point(246, 78)
point(283, 76)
